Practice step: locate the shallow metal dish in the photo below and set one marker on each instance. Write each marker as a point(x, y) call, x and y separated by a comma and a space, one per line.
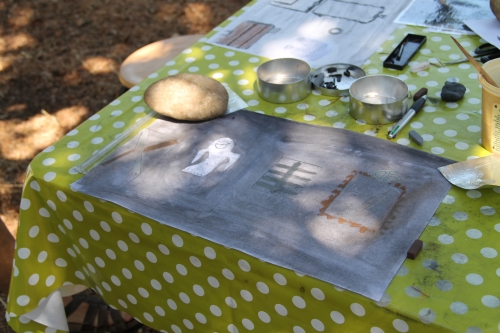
point(336, 79)
point(378, 99)
point(284, 80)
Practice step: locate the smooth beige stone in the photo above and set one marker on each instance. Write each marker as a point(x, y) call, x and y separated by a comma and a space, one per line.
point(187, 97)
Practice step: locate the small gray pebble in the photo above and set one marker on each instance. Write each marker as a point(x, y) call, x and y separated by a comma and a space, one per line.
point(416, 138)
point(452, 91)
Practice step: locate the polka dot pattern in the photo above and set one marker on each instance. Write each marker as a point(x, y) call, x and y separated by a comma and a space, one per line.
point(177, 272)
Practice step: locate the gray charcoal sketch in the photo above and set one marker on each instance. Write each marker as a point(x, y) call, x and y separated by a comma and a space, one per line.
point(445, 14)
point(333, 204)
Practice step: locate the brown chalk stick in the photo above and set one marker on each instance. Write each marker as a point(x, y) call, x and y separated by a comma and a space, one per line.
point(419, 94)
point(414, 249)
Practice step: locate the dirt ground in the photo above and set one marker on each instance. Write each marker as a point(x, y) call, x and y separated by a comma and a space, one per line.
point(58, 65)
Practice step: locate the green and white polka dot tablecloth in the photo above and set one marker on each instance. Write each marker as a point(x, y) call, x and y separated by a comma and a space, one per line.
point(176, 282)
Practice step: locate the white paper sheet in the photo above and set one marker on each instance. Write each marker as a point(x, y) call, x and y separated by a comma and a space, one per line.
point(319, 32)
point(488, 29)
point(446, 16)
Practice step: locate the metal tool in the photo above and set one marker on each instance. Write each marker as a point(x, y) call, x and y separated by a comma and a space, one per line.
point(489, 57)
point(485, 51)
point(417, 106)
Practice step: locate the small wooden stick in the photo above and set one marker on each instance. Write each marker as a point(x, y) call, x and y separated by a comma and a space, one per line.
point(421, 299)
point(420, 291)
point(475, 64)
point(425, 295)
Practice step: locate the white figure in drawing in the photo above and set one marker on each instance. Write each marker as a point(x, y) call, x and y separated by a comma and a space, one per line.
point(219, 152)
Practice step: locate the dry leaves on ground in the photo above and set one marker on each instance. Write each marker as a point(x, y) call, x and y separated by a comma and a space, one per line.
point(58, 65)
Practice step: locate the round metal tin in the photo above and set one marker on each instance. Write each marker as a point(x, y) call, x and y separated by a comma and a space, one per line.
point(336, 79)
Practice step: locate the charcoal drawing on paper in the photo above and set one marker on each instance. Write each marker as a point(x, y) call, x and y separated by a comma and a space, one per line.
point(300, 196)
point(445, 14)
point(218, 152)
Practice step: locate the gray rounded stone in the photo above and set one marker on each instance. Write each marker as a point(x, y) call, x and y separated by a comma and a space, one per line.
point(187, 97)
point(452, 91)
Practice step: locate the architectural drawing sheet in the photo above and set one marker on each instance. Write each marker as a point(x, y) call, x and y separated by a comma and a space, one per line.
point(320, 32)
point(336, 205)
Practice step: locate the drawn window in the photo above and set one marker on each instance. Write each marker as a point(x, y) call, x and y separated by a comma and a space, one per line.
point(349, 11)
point(363, 202)
point(287, 177)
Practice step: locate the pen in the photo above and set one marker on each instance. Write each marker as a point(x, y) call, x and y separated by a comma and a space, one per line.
point(417, 106)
